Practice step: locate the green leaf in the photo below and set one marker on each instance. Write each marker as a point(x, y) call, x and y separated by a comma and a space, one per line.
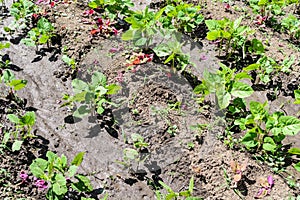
point(130, 153)
point(171, 57)
point(98, 78)
point(168, 188)
point(140, 42)
point(93, 4)
point(213, 35)
point(113, 89)
point(128, 35)
point(252, 67)
point(17, 145)
point(7, 76)
point(297, 166)
point(13, 118)
point(242, 90)
point(60, 185)
point(290, 125)
point(294, 150)
point(28, 118)
point(249, 139)
point(4, 45)
point(269, 144)
point(297, 96)
point(18, 84)
point(78, 159)
point(211, 24)
point(72, 171)
point(191, 185)
point(81, 111)
point(223, 99)
point(79, 86)
point(83, 184)
point(44, 39)
point(38, 167)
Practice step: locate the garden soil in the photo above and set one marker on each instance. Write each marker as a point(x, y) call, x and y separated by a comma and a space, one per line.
point(143, 108)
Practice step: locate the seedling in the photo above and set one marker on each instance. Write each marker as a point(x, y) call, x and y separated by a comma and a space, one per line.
point(228, 33)
point(183, 17)
point(171, 194)
point(23, 129)
point(225, 84)
point(57, 173)
point(113, 8)
point(238, 170)
point(41, 34)
point(291, 25)
point(297, 96)
point(266, 186)
point(69, 61)
point(92, 96)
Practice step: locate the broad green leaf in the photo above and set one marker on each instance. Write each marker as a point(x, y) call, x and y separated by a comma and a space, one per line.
point(79, 86)
point(83, 184)
point(269, 144)
point(162, 50)
point(223, 98)
point(28, 118)
point(250, 139)
point(100, 109)
point(17, 145)
point(213, 35)
point(242, 90)
point(237, 22)
point(51, 156)
point(113, 89)
point(72, 171)
point(211, 24)
point(18, 84)
point(101, 90)
point(79, 97)
point(297, 96)
point(130, 154)
point(7, 76)
point(13, 118)
point(290, 125)
point(98, 78)
point(141, 42)
point(60, 185)
point(252, 67)
point(93, 4)
point(4, 45)
point(297, 166)
point(242, 75)
point(38, 167)
point(128, 35)
point(78, 159)
point(294, 150)
point(44, 39)
point(81, 111)
point(171, 57)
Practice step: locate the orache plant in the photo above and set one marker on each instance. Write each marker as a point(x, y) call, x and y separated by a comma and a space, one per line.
point(59, 175)
point(238, 170)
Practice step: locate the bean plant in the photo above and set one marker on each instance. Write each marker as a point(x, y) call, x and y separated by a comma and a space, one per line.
point(91, 97)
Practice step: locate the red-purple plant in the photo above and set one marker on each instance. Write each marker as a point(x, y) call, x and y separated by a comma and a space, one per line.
point(260, 20)
point(266, 186)
point(238, 169)
point(24, 177)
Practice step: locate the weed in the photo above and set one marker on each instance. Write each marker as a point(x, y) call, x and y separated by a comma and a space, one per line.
point(56, 171)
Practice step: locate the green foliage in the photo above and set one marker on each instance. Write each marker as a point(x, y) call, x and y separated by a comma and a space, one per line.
point(266, 67)
point(291, 25)
point(266, 130)
point(172, 51)
point(230, 33)
point(143, 27)
point(22, 11)
point(4, 45)
point(297, 96)
point(69, 61)
point(92, 96)
point(183, 17)
point(9, 79)
point(113, 8)
point(174, 195)
point(225, 84)
point(23, 127)
point(41, 34)
point(56, 171)
point(295, 151)
point(266, 7)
